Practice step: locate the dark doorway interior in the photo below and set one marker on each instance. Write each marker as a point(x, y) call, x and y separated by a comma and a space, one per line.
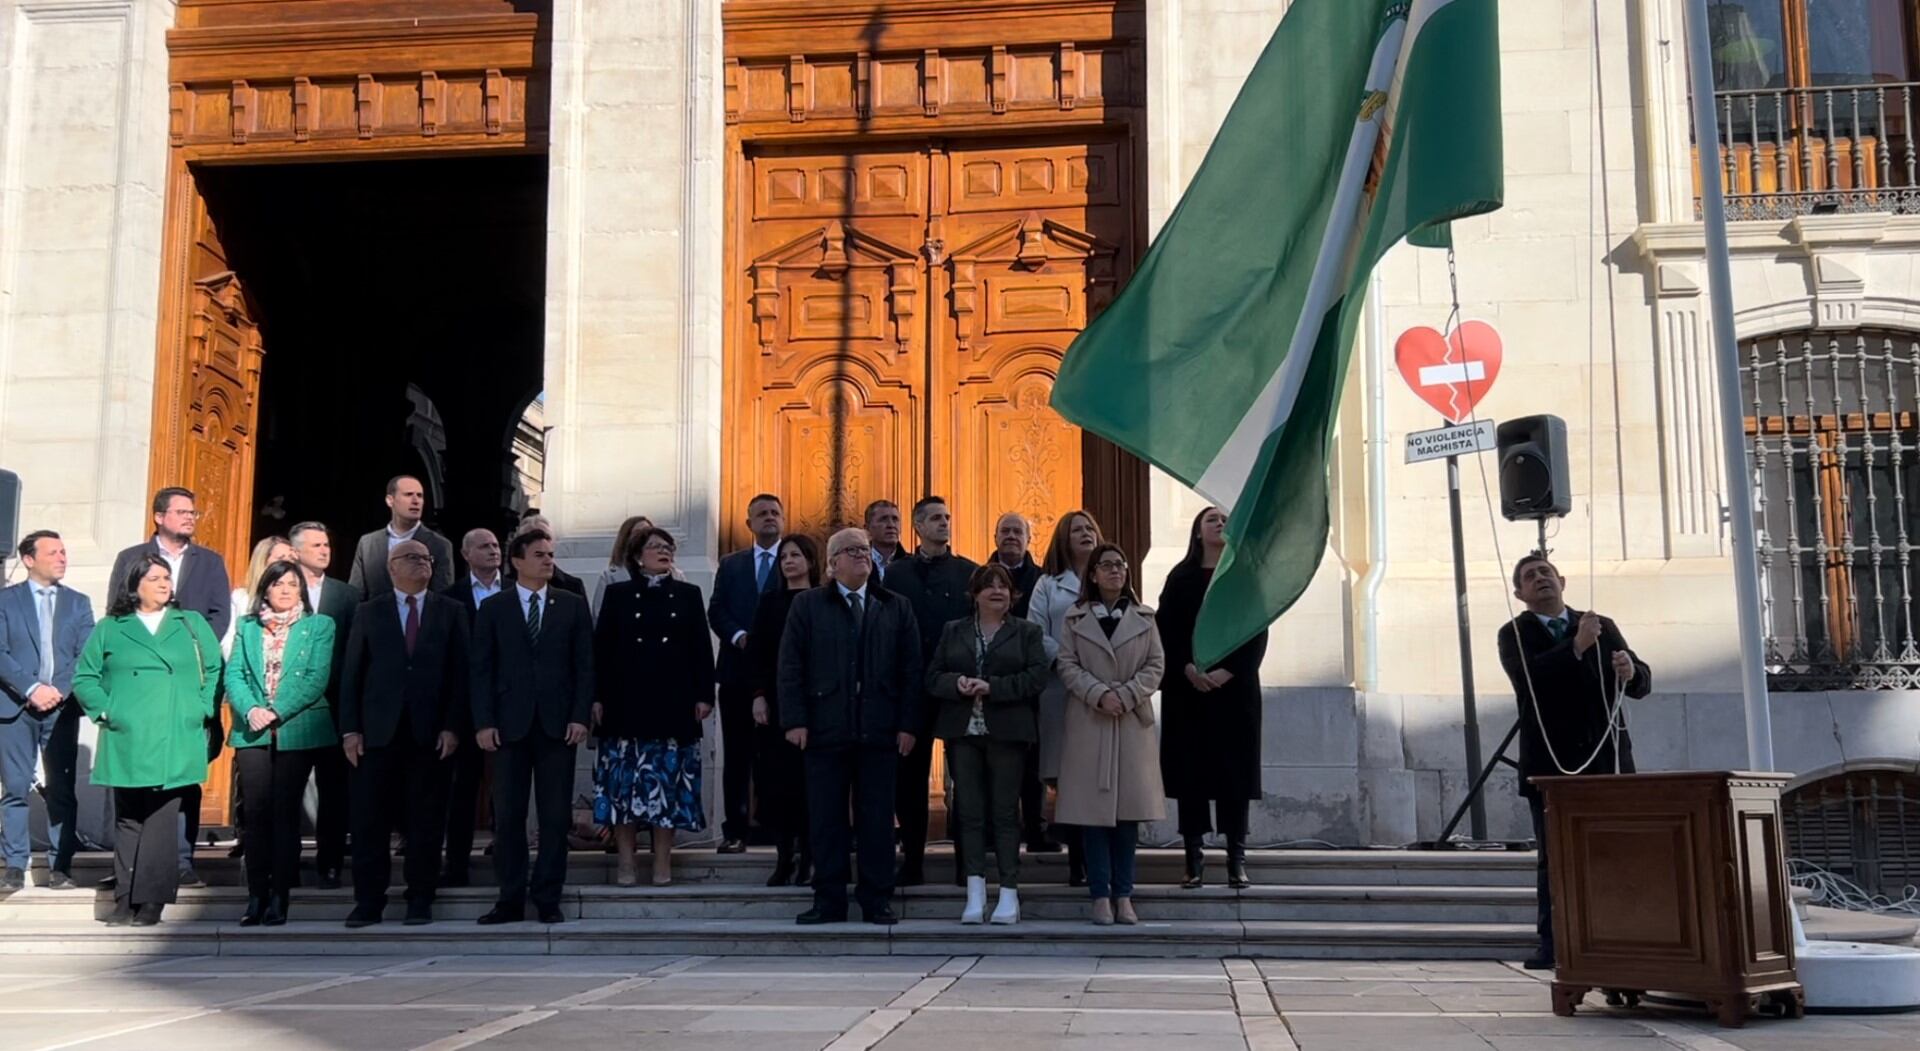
point(401, 308)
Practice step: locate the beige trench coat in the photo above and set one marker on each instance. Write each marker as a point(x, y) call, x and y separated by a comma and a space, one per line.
point(1110, 767)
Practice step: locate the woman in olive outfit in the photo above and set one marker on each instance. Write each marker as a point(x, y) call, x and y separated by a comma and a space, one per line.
point(653, 687)
point(987, 674)
point(779, 776)
point(147, 678)
point(1210, 717)
point(282, 728)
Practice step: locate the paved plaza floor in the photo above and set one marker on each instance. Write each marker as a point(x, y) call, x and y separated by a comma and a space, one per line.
point(893, 1003)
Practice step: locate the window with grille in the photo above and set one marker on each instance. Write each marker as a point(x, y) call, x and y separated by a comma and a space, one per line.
point(1835, 448)
point(1863, 825)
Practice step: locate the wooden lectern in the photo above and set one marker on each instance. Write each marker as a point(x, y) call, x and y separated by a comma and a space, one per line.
point(1674, 882)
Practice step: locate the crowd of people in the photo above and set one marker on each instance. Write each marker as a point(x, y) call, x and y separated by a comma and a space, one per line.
point(830, 671)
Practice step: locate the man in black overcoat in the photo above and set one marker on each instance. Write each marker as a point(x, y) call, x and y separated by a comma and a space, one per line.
point(1568, 670)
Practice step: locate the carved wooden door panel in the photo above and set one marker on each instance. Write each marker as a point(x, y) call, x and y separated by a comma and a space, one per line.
point(1034, 240)
point(830, 379)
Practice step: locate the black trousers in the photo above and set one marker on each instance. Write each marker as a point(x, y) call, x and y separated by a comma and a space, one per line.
point(275, 782)
point(910, 803)
point(333, 814)
point(544, 766)
point(780, 788)
point(402, 785)
point(146, 844)
point(737, 740)
point(1033, 797)
point(463, 802)
point(863, 774)
point(1543, 887)
point(1229, 817)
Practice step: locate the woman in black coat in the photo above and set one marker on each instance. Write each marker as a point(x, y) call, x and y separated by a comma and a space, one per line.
point(779, 778)
point(1209, 717)
point(653, 687)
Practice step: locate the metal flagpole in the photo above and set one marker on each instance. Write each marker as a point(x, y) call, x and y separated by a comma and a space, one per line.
point(1733, 438)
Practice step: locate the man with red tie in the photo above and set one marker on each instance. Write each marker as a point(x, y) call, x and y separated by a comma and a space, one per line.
point(403, 713)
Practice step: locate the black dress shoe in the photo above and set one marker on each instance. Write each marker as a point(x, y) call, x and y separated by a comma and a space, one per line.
point(1539, 963)
point(817, 915)
point(191, 880)
point(276, 914)
point(58, 880)
point(329, 879)
point(256, 910)
point(803, 873)
point(552, 914)
point(238, 850)
point(121, 916)
point(503, 913)
point(147, 915)
point(419, 914)
point(364, 916)
point(108, 883)
point(453, 877)
point(1038, 843)
point(732, 846)
point(782, 871)
point(881, 915)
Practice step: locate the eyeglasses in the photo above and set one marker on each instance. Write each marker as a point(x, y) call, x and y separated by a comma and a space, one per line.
point(658, 546)
point(857, 552)
point(416, 558)
point(1111, 563)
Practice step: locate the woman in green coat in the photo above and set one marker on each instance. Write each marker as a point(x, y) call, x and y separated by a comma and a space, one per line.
point(282, 725)
point(147, 678)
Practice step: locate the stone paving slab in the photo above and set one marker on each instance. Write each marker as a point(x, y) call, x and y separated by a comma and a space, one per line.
point(449, 1002)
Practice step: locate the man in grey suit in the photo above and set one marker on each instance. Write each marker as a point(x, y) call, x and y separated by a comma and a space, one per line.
point(43, 625)
point(407, 500)
point(313, 550)
point(201, 584)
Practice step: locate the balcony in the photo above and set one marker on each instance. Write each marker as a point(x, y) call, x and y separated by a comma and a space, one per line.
point(1787, 152)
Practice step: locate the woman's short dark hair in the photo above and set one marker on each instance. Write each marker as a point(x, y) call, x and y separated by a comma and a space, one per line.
point(983, 578)
point(126, 593)
point(1090, 591)
point(808, 550)
point(638, 544)
point(274, 571)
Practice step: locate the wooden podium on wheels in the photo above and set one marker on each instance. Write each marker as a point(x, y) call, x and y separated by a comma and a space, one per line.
point(1673, 882)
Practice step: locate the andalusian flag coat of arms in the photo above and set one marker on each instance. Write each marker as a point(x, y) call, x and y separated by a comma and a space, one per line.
point(1364, 122)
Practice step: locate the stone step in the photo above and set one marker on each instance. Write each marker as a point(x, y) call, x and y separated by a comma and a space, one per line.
point(719, 901)
point(1155, 865)
point(1269, 938)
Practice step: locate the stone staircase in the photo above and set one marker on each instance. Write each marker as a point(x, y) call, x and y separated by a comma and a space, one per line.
point(1360, 904)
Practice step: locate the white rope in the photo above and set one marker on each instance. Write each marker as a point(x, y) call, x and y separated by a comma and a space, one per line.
point(1835, 891)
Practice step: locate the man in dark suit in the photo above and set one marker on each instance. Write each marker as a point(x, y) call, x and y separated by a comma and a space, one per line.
point(313, 552)
point(201, 584)
point(1012, 536)
point(1569, 671)
point(738, 582)
point(934, 580)
point(532, 662)
point(850, 692)
point(480, 549)
point(403, 710)
point(407, 503)
point(43, 625)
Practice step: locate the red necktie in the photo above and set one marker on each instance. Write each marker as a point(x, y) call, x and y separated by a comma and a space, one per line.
point(412, 628)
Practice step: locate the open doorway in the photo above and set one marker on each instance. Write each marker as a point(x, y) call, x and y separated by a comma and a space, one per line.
point(400, 308)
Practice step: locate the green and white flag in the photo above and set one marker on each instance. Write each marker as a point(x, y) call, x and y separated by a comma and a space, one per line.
point(1221, 362)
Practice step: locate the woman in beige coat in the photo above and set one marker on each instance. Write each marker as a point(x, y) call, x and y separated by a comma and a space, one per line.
point(1110, 662)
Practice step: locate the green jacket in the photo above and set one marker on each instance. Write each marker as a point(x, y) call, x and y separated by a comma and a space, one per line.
point(151, 694)
point(306, 719)
point(1016, 671)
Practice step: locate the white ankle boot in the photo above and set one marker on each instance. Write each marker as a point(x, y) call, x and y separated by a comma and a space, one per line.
point(976, 900)
point(1008, 911)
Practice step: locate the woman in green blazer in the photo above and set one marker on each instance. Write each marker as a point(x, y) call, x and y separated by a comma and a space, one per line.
point(147, 678)
point(282, 725)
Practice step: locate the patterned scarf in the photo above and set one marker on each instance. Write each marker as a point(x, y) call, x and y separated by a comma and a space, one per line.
point(275, 627)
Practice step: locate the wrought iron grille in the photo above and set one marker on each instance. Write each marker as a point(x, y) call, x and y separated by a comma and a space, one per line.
point(1863, 825)
point(1794, 151)
point(1836, 457)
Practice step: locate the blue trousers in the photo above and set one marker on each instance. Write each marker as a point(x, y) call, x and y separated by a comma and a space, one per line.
point(1109, 853)
point(54, 738)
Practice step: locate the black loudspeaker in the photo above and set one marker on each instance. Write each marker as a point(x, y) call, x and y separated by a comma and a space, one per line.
point(9, 514)
point(1533, 468)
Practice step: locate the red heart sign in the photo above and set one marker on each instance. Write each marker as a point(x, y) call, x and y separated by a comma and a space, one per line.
point(1454, 378)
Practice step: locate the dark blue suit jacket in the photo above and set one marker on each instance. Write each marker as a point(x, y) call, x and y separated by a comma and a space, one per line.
point(736, 595)
point(206, 589)
point(20, 642)
point(520, 685)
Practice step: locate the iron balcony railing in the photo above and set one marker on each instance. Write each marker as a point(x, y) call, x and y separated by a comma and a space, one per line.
point(1798, 151)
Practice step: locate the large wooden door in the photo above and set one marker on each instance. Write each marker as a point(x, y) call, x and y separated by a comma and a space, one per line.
point(903, 311)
